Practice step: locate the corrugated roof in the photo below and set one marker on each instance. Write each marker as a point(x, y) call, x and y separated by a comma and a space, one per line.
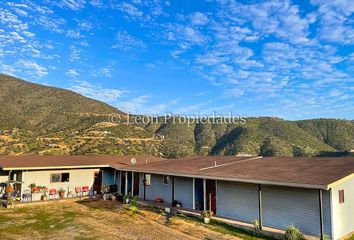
point(287, 171)
point(40, 162)
point(315, 172)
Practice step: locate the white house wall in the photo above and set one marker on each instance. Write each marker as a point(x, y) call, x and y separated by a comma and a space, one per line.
point(78, 178)
point(343, 213)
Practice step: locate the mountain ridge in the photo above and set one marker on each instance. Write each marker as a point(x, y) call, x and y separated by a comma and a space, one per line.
point(37, 119)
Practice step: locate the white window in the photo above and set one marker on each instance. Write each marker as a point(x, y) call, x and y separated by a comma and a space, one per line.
point(147, 180)
point(166, 179)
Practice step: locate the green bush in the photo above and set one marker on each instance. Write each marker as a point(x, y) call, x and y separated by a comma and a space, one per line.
point(256, 227)
point(293, 233)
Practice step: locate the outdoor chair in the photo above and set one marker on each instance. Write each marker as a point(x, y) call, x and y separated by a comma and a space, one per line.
point(78, 191)
point(26, 196)
point(53, 193)
point(85, 190)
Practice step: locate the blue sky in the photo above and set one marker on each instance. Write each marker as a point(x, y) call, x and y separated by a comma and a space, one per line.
point(289, 59)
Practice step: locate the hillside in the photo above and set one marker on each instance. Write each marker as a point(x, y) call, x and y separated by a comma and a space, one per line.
point(36, 119)
point(32, 106)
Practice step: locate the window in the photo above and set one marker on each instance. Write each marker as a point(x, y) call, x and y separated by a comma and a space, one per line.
point(55, 178)
point(59, 177)
point(341, 196)
point(147, 179)
point(65, 177)
point(166, 180)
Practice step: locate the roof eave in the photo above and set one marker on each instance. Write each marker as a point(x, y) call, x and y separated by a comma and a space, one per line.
point(53, 167)
point(254, 181)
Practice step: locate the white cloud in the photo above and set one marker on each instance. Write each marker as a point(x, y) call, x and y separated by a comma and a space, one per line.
point(126, 41)
point(198, 18)
point(31, 68)
point(74, 54)
point(72, 4)
point(336, 22)
point(130, 9)
point(97, 91)
point(72, 73)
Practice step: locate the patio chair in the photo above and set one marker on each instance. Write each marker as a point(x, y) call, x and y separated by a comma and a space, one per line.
point(27, 196)
point(53, 193)
point(85, 190)
point(78, 191)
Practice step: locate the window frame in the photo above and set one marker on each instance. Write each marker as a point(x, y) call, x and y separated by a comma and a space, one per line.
point(168, 178)
point(60, 177)
point(147, 180)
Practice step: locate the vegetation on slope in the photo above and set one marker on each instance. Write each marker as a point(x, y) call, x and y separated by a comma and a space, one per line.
point(36, 119)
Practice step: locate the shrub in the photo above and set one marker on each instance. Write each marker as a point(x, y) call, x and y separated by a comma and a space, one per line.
point(293, 233)
point(207, 214)
point(256, 227)
point(134, 209)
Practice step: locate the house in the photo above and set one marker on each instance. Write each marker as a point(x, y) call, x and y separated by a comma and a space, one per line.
point(314, 194)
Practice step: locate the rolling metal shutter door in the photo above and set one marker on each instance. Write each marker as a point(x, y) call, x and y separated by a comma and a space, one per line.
point(237, 201)
point(299, 207)
point(184, 191)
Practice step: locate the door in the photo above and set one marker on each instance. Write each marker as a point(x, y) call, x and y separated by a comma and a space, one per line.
point(211, 195)
point(97, 184)
point(136, 184)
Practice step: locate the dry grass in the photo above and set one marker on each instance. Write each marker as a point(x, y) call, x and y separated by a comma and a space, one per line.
point(97, 219)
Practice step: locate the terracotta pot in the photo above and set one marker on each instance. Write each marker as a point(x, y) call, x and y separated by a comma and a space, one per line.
point(61, 194)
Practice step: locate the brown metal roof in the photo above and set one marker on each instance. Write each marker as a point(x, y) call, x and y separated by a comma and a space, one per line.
point(40, 162)
point(288, 171)
point(315, 172)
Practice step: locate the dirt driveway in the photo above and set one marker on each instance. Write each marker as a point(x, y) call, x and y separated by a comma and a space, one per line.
point(97, 219)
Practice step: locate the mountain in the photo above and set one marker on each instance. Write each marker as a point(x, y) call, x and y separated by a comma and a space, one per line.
point(33, 106)
point(37, 119)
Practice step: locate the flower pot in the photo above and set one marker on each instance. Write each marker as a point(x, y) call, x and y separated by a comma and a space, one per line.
point(61, 194)
point(206, 220)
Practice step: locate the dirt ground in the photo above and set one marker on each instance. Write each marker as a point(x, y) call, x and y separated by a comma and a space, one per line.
point(98, 219)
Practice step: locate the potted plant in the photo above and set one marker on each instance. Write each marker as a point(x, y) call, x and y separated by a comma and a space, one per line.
point(207, 216)
point(177, 204)
point(61, 192)
point(33, 187)
point(44, 197)
point(127, 199)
